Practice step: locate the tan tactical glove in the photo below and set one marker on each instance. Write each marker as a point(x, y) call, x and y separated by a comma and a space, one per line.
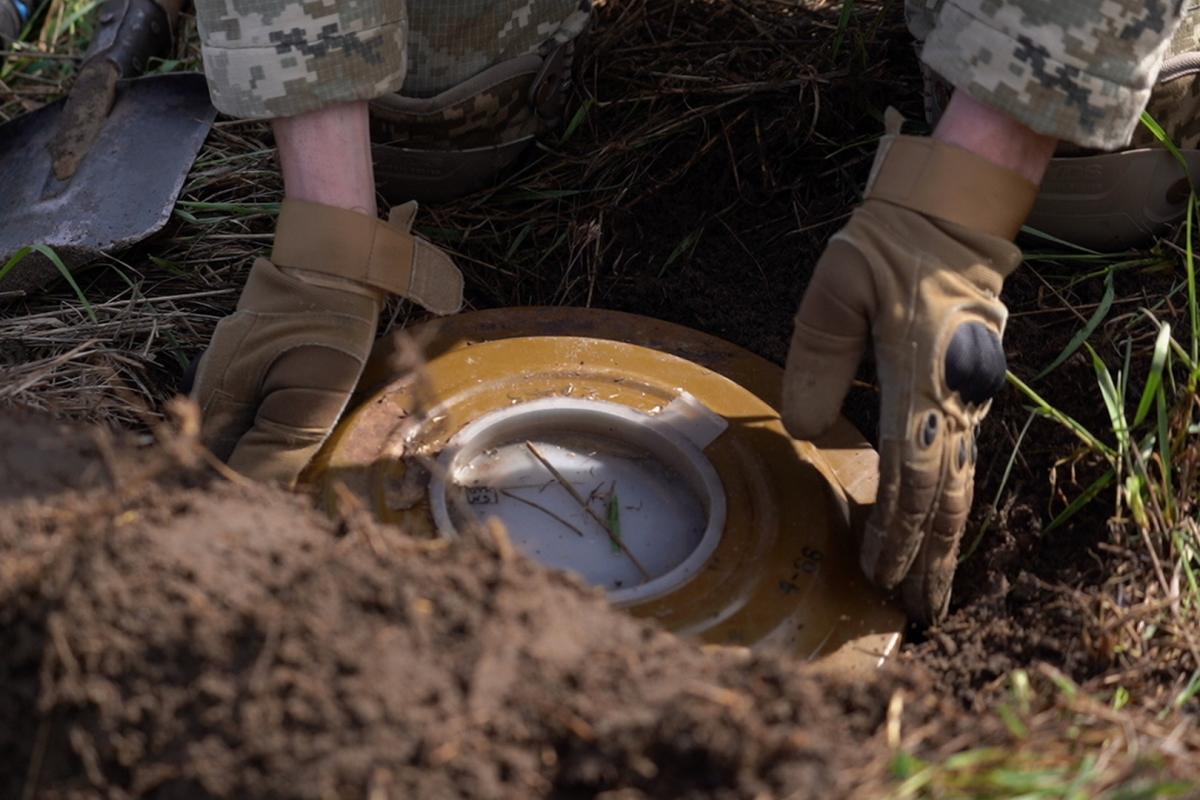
point(280, 370)
point(919, 267)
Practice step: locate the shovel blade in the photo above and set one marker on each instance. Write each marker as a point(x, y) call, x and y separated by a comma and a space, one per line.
point(125, 187)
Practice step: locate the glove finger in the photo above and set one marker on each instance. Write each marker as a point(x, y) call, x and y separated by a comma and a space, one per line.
point(226, 415)
point(926, 588)
point(909, 481)
point(305, 392)
point(828, 342)
point(224, 421)
point(273, 453)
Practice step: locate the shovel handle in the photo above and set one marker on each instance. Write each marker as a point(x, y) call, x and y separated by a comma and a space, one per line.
point(130, 32)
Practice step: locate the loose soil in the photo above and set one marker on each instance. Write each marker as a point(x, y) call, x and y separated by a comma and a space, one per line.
point(169, 633)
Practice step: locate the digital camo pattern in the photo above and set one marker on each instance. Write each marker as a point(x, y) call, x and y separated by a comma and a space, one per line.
point(272, 58)
point(1175, 101)
point(1187, 35)
point(483, 116)
point(451, 40)
point(278, 58)
point(1079, 70)
point(492, 106)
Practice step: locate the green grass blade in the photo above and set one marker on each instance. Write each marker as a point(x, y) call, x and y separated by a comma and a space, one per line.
point(1193, 311)
point(17, 258)
point(1112, 401)
point(1060, 242)
point(79, 12)
point(973, 758)
point(1066, 421)
point(843, 25)
point(49, 253)
point(1134, 494)
point(1190, 691)
point(518, 240)
point(1164, 449)
point(1155, 791)
point(1186, 556)
point(1123, 376)
point(169, 266)
point(1098, 316)
point(905, 765)
point(1162, 347)
point(161, 66)
point(1015, 726)
point(66, 273)
point(577, 119)
point(686, 245)
point(236, 209)
point(614, 520)
point(915, 773)
point(1089, 494)
point(1183, 355)
point(1157, 130)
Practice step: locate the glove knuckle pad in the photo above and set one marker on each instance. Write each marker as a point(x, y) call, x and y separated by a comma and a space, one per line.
point(303, 408)
point(307, 387)
point(314, 366)
point(974, 363)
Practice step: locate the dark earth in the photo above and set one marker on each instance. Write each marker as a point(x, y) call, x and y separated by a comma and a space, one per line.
point(170, 632)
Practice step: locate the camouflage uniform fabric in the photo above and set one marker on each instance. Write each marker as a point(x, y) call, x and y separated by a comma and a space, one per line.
point(276, 58)
point(1078, 70)
point(1175, 101)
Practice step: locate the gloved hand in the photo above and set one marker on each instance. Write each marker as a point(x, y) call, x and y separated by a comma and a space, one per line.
point(280, 370)
point(919, 267)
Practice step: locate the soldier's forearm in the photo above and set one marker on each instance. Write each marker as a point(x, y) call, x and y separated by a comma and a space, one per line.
point(994, 135)
point(1077, 70)
point(325, 157)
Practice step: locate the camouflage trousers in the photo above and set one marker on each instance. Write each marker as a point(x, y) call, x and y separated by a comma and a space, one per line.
point(280, 58)
point(1078, 70)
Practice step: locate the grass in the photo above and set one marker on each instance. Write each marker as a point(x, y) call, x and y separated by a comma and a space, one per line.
point(1150, 449)
point(1142, 451)
point(54, 259)
point(685, 185)
point(1051, 739)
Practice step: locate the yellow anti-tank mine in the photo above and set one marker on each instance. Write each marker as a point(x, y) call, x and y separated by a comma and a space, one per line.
point(646, 457)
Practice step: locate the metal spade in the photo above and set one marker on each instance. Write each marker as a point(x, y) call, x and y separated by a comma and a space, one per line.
point(101, 169)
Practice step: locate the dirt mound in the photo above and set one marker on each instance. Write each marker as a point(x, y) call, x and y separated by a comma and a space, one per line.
point(1016, 606)
point(171, 635)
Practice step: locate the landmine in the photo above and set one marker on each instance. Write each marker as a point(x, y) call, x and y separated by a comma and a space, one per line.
point(646, 457)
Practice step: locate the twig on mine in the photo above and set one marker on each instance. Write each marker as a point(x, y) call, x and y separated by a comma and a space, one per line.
point(586, 507)
point(542, 509)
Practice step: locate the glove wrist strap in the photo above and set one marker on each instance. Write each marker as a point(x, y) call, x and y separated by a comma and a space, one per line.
point(951, 184)
point(364, 249)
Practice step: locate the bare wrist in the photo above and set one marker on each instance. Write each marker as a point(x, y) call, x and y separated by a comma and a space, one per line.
point(993, 135)
point(325, 157)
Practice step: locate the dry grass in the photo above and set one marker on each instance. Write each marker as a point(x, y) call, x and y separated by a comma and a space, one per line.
point(715, 146)
point(668, 93)
point(1046, 738)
